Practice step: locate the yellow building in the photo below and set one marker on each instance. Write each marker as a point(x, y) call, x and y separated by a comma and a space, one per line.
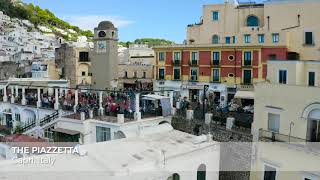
point(291, 23)
point(287, 110)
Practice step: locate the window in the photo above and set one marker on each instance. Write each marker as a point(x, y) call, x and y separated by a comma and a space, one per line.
point(273, 122)
point(102, 134)
point(230, 75)
point(247, 57)
point(194, 74)
point(233, 39)
point(261, 38)
point(125, 74)
point(194, 58)
point(215, 75)
point(247, 77)
point(270, 173)
point(231, 57)
point(247, 38)
point(161, 56)
point(252, 21)
point(311, 78)
point(135, 74)
point(309, 38)
point(215, 58)
point(83, 73)
point(228, 40)
point(215, 15)
point(161, 73)
point(275, 37)
point(283, 76)
point(176, 74)
point(215, 39)
point(176, 56)
point(272, 57)
point(144, 75)
point(83, 56)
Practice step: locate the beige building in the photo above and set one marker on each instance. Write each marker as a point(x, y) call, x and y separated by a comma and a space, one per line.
point(136, 67)
point(287, 110)
point(289, 23)
point(74, 62)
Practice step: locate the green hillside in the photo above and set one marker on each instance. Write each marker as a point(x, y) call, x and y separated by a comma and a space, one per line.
point(38, 16)
point(150, 41)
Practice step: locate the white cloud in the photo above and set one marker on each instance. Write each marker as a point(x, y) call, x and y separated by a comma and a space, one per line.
point(89, 22)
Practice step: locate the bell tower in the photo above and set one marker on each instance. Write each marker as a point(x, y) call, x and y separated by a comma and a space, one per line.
point(104, 66)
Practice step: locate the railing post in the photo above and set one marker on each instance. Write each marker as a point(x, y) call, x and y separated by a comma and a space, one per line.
point(12, 94)
point(17, 91)
point(101, 109)
point(76, 99)
point(23, 100)
point(5, 96)
point(137, 113)
point(39, 98)
point(56, 103)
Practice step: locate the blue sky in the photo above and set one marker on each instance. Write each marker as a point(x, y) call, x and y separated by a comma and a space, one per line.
point(166, 19)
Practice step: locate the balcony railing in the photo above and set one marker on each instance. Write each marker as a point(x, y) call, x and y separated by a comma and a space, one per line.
point(247, 63)
point(245, 87)
point(176, 62)
point(194, 62)
point(215, 62)
point(289, 141)
point(277, 137)
point(84, 59)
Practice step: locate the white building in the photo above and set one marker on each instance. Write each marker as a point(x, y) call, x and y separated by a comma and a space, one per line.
point(166, 154)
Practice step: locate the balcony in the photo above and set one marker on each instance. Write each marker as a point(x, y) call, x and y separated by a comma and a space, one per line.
point(194, 62)
point(176, 62)
point(270, 136)
point(245, 87)
point(215, 62)
point(84, 59)
point(247, 63)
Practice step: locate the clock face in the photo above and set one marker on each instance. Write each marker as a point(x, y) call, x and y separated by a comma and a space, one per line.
point(102, 34)
point(101, 46)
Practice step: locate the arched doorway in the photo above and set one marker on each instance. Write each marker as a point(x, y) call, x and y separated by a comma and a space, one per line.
point(174, 176)
point(313, 131)
point(312, 114)
point(201, 172)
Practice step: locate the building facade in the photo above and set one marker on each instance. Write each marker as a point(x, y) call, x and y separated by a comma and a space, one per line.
point(230, 46)
point(287, 113)
point(73, 61)
point(136, 67)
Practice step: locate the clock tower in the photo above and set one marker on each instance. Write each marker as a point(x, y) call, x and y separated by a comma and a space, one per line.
point(104, 66)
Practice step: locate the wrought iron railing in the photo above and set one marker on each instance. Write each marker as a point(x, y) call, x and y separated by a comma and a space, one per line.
point(31, 124)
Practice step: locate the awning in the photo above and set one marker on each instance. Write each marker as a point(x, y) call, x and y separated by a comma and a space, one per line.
point(153, 97)
point(244, 95)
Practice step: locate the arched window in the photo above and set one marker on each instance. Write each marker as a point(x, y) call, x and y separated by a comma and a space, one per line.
point(174, 176)
point(252, 21)
point(201, 172)
point(215, 39)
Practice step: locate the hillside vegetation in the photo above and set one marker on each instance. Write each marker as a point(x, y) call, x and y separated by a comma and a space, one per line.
point(150, 41)
point(38, 16)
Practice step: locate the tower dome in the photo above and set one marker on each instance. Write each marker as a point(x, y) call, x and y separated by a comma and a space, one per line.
point(106, 25)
